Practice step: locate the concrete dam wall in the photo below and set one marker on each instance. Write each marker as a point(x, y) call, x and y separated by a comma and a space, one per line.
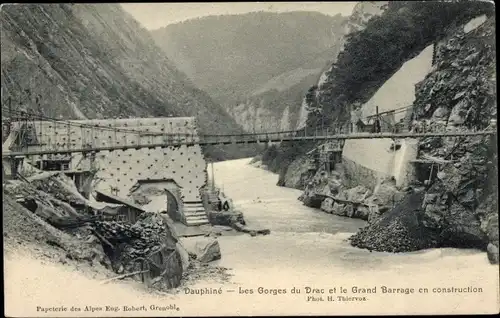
point(368, 160)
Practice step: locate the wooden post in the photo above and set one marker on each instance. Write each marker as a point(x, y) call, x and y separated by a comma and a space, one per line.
point(9, 126)
point(213, 179)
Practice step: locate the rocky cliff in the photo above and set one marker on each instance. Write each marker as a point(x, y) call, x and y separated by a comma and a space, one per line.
point(458, 206)
point(95, 61)
point(257, 65)
point(277, 105)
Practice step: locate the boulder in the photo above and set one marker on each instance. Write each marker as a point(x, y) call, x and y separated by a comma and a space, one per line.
point(206, 249)
point(458, 113)
point(338, 209)
point(349, 210)
point(357, 194)
point(327, 205)
point(362, 212)
point(313, 201)
point(441, 113)
point(385, 194)
point(492, 228)
point(226, 218)
point(492, 251)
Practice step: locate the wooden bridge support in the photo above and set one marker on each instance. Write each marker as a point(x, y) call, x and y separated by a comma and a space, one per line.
point(10, 167)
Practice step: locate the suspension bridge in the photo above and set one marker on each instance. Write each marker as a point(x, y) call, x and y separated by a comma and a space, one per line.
point(50, 136)
point(165, 151)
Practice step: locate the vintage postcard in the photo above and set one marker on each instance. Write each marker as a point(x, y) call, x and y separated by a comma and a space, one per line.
point(249, 158)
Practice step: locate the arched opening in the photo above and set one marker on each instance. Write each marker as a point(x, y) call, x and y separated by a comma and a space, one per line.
point(172, 206)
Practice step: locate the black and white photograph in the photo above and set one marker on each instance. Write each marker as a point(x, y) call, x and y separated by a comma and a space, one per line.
point(174, 159)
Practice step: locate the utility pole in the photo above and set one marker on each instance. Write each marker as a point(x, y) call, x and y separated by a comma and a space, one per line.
point(350, 118)
point(9, 124)
point(40, 113)
point(322, 123)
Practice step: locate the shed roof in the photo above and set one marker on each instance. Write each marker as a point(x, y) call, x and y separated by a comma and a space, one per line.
point(101, 196)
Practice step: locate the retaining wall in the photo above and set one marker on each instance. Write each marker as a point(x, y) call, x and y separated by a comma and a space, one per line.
point(366, 161)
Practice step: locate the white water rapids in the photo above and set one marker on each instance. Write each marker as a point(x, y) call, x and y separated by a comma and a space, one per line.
point(306, 248)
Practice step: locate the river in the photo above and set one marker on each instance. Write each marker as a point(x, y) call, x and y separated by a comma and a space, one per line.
point(306, 248)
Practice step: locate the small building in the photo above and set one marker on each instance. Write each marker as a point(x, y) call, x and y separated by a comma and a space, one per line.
point(386, 119)
point(360, 126)
point(128, 211)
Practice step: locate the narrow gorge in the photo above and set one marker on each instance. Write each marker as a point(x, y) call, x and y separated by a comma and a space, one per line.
point(415, 194)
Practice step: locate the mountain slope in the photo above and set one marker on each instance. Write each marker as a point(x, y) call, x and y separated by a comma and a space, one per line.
point(460, 204)
point(237, 53)
point(95, 61)
point(244, 61)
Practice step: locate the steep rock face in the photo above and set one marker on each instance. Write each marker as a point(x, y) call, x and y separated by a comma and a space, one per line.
point(276, 106)
point(257, 65)
point(459, 206)
point(461, 88)
point(95, 61)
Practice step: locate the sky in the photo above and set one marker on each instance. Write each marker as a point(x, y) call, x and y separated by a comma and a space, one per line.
point(156, 15)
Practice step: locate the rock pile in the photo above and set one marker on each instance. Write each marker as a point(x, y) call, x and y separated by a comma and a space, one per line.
point(358, 202)
point(148, 243)
point(399, 230)
point(44, 204)
point(149, 246)
point(61, 187)
point(23, 226)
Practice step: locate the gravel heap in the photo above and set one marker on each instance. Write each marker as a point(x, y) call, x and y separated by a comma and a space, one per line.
point(399, 230)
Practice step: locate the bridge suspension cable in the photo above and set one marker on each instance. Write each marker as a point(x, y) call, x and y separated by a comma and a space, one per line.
point(67, 122)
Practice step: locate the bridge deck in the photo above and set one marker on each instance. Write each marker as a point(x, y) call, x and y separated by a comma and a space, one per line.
point(189, 140)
